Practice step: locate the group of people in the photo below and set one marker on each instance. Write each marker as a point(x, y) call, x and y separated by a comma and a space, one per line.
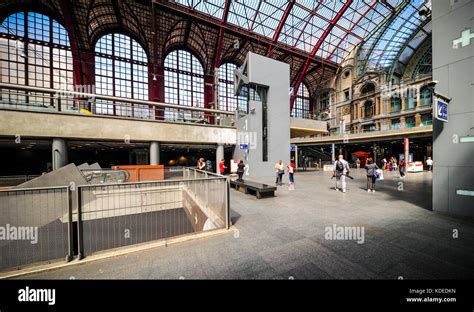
point(391, 164)
point(341, 171)
point(205, 165)
point(280, 169)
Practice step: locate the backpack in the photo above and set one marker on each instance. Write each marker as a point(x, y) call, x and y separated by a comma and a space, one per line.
point(339, 166)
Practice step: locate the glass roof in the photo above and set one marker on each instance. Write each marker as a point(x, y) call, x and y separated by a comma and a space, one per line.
point(406, 30)
point(306, 21)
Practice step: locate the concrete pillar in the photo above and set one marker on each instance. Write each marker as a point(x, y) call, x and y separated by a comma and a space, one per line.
point(333, 152)
point(219, 156)
point(59, 153)
point(154, 153)
point(406, 148)
point(296, 156)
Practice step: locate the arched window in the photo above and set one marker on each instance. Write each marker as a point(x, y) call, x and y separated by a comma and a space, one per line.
point(34, 51)
point(121, 69)
point(184, 84)
point(411, 95)
point(426, 97)
point(424, 65)
point(368, 109)
point(396, 104)
point(227, 100)
point(367, 88)
point(301, 105)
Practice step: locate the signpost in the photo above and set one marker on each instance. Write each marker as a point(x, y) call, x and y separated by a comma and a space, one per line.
point(441, 110)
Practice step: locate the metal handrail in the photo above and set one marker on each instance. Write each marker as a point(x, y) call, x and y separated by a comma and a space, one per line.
point(59, 92)
point(35, 189)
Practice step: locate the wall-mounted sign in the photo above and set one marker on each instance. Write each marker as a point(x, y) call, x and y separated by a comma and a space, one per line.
point(292, 148)
point(441, 110)
point(244, 146)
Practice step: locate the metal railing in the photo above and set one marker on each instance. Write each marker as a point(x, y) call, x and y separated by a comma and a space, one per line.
point(15, 180)
point(44, 99)
point(36, 226)
point(48, 224)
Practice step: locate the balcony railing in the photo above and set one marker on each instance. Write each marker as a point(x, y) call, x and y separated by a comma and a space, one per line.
point(44, 99)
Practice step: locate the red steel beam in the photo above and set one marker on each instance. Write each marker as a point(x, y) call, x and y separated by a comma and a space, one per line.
point(235, 30)
point(352, 28)
point(387, 5)
point(256, 13)
point(310, 16)
point(290, 5)
point(316, 48)
point(70, 22)
point(217, 56)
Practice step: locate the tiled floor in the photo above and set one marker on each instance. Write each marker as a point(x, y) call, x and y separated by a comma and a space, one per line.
point(284, 237)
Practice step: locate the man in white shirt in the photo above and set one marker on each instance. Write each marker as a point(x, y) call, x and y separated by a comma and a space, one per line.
point(429, 163)
point(341, 168)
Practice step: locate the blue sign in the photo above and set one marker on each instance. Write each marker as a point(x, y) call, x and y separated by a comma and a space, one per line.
point(441, 111)
point(292, 148)
point(244, 146)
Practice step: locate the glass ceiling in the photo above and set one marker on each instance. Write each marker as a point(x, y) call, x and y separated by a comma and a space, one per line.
point(306, 21)
point(398, 38)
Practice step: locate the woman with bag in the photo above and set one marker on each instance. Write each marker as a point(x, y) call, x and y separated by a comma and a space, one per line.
point(371, 170)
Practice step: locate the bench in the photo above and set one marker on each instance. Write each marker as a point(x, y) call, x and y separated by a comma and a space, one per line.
point(250, 187)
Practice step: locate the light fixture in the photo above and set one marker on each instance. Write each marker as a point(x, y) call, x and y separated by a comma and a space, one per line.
point(154, 77)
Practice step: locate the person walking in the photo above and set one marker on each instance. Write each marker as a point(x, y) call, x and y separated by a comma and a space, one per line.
point(384, 164)
point(429, 163)
point(279, 170)
point(291, 172)
point(402, 167)
point(240, 170)
point(222, 167)
point(371, 172)
point(341, 169)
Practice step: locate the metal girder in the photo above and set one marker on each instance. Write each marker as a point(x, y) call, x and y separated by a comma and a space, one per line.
point(217, 56)
point(71, 24)
point(383, 26)
point(388, 5)
point(282, 22)
point(406, 44)
point(256, 13)
point(352, 28)
point(310, 15)
point(118, 13)
point(316, 48)
point(237, 30)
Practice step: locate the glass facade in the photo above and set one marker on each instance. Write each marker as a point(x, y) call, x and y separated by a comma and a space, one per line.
point(34, 51)
point(184, 85)
point(121, 69)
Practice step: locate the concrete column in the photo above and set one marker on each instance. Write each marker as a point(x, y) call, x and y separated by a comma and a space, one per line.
point(154, 153)
point(406, 148)
point(59, 153)
point(219, 156)
point(333, 152)
point(296, 156)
